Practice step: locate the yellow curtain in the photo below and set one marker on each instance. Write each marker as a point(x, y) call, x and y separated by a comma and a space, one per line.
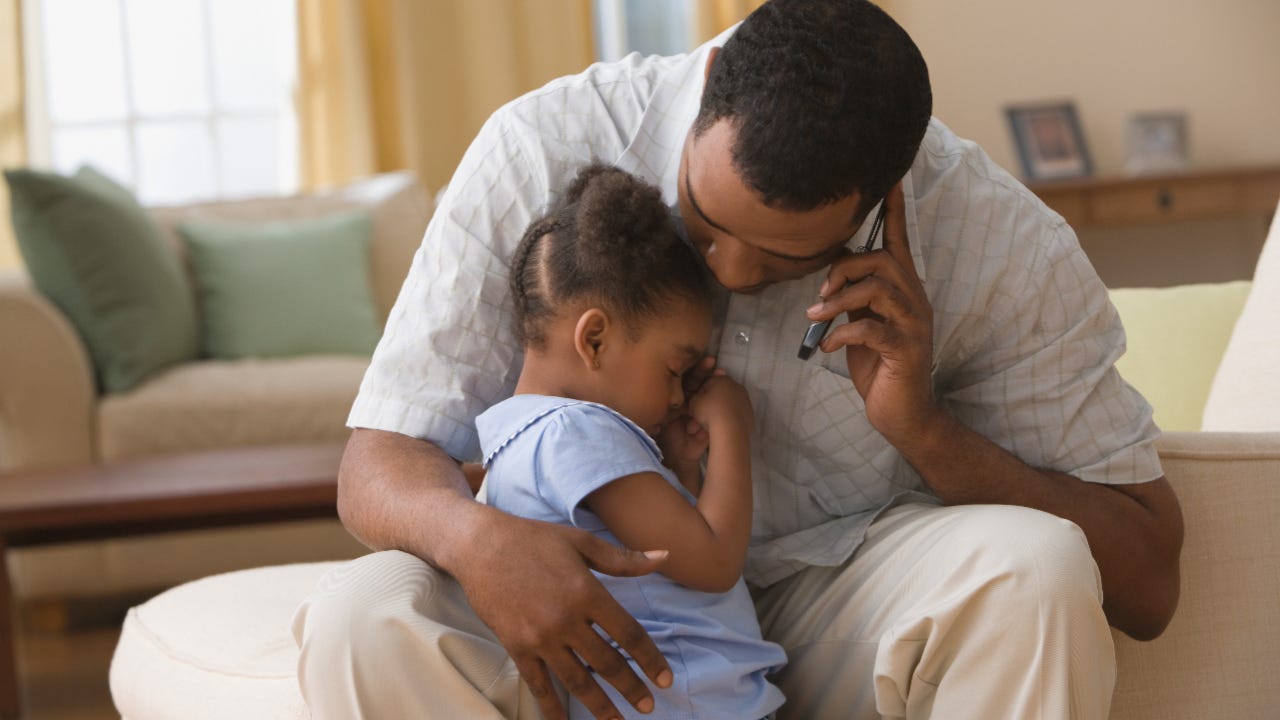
point(390, 84)
point(13, 146)
point(716, 15)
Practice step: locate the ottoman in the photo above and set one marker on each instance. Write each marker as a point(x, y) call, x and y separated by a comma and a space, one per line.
point(218, 648)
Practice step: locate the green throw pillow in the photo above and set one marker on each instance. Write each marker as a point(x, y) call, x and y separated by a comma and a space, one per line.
point(95, 252)
point(284, 288)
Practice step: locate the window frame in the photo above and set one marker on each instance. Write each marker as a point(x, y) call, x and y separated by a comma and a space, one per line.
point(40, 125)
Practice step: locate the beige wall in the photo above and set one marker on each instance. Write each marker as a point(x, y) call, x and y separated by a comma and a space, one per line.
point(1218, 61)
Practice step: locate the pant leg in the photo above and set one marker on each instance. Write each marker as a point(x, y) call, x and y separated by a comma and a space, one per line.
point(964, 612)
point(388, 636)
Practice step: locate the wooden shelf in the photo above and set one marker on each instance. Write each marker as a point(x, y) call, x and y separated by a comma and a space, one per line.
point(1154, 199)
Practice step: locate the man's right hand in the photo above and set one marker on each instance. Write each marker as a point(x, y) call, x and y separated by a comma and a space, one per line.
point(529, 581)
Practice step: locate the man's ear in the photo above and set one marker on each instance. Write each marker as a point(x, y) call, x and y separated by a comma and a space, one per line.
point(711, 58)
point(590, 336)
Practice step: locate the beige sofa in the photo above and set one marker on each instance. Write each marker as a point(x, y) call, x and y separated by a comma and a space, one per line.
point(220, 647)
point(51, 414)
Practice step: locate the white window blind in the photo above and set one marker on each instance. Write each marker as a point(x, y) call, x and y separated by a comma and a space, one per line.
point(178, 99)
point(649, 27)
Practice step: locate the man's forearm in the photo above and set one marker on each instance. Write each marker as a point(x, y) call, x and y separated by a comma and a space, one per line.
point(398, 492)
point(1134, 531)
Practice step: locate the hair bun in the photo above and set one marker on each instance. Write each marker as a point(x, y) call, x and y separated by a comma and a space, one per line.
point(620, 215)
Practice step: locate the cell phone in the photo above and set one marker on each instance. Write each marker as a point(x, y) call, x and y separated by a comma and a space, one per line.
point(818, 330)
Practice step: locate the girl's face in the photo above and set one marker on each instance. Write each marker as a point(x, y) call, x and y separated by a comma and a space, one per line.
point(645, 379)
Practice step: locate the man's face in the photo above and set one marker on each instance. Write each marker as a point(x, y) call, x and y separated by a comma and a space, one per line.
point(747, 244)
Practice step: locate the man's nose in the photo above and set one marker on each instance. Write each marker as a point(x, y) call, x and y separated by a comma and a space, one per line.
point(734, 264)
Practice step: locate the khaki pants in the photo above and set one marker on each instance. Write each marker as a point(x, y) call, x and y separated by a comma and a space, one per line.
point(976, 612)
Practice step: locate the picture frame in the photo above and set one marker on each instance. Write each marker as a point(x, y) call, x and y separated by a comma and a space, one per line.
point(1049, 141)
point(1157, 143)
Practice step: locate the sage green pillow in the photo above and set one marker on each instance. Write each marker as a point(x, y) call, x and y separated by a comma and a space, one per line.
point(284, 288)
point(96, 254)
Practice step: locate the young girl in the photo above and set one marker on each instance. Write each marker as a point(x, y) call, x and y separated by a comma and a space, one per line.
point(613, 308)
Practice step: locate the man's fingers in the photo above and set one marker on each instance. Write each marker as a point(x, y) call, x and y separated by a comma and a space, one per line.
point(581, 684)
point(609, 615)
point(875, 295)
point(535, 675)
point(879, 295)
point(611, 559)
point(871, 333)
point(612, 667)
point(635, 642)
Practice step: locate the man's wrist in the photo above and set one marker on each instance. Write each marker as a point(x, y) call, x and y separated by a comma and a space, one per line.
point(463, 530)
point(930, 440)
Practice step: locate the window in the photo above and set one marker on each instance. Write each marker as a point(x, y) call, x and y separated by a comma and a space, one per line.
point(649, 27)
point(178, 99)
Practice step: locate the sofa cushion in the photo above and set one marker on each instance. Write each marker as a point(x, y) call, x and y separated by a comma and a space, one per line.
point(1245, 396)
point(215, 649)
point(217, 404)
point(284, 288)
point(1176, 383)
point(399, 205)
point(98, 256)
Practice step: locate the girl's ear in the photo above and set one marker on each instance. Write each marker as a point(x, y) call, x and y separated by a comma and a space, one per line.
point(590, 336)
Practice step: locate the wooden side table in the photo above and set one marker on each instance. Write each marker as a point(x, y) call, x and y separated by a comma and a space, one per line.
point(1154, 199)
point(182, 492)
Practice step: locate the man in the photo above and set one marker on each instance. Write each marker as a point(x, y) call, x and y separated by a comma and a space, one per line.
point(953, 498)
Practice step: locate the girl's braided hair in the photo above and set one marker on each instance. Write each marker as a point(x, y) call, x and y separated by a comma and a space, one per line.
point(611, 241)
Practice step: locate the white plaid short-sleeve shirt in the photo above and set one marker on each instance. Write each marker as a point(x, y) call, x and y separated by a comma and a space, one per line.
point(1025, 338)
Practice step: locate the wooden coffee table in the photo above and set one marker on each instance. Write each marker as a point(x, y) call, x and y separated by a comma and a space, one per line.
point(181, 492)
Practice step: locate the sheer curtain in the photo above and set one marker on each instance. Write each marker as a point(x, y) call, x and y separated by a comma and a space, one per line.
point(389, 84)
point(13, 147)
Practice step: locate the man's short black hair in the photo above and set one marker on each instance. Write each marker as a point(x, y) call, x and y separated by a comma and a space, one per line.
point(826, 97)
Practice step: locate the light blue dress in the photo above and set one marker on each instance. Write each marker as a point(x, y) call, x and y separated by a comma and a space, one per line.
point(544, 456)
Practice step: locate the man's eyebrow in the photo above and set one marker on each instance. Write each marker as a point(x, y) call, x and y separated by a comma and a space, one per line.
point(688, 190)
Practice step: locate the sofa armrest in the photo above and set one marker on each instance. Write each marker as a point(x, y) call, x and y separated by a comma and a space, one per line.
point(1218, 656)
point(47, 390)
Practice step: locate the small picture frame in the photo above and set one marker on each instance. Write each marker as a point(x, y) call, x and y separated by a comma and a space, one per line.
point(1049, 141)
point(1157, 143)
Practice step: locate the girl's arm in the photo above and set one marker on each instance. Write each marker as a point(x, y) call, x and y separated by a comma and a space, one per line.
point(707, 542)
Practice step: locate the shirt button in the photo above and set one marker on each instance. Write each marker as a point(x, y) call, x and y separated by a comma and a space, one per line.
point(742, 338)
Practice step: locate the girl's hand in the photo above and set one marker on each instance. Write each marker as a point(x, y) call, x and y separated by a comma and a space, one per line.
point(722, 405)
point(683, 442)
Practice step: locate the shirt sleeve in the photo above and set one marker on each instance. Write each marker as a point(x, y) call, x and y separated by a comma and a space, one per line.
point(449, 351)
point(1045, 386)
point(581, 450)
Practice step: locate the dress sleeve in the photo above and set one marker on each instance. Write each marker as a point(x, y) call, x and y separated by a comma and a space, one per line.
point(582, 449)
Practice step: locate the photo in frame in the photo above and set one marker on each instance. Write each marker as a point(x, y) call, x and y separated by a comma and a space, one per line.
point(1049, 140)
point(1157, 143)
